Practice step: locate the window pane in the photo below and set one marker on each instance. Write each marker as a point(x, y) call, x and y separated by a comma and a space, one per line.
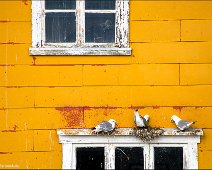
point(90, 158)
point(99, 4)
point(60, 27)
point(127, 158)
point(168, 158)
point(100, 28)
point(60, 4)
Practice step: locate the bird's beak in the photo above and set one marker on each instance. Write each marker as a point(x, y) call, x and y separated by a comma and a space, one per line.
point(116, 124)
point(172, 120)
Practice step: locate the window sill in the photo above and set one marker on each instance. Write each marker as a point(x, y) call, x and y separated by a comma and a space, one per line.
point(128, 132)
point(79, 51)
point(124, 135)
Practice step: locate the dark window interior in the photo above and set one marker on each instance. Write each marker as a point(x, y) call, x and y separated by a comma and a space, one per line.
point(168, 158)
point(100, 4)
point(90, 158)
point(60, 27)
point(129, 158)
point(99, 28)
point(60, 4)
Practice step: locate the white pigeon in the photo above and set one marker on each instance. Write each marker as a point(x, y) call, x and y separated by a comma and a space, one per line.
point(181, 124)
point(105, 126)
point(141, 121)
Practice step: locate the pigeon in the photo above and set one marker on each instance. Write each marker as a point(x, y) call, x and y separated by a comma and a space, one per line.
point(181, 124)
point(105, 126)
point(141, 121)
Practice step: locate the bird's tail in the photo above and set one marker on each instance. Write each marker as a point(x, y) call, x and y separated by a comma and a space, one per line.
point(194, 122)
point(191, 123)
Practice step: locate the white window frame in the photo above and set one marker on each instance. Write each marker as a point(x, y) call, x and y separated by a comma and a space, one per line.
point(74, 138)
point(120, 47)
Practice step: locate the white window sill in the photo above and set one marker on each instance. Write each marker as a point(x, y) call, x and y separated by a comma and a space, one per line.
point(79, 51)
point(128, 132)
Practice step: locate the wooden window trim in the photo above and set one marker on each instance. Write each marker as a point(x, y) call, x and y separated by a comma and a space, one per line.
point(73, 138)
point(120, 47)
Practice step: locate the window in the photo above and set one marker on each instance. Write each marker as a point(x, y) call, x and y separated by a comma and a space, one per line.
point(85, 27)
point(173, 150)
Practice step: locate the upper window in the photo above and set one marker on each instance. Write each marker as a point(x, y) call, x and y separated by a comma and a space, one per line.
point(80, 27)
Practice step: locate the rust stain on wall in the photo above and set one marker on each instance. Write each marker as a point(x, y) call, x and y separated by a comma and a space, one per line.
point(73, 116)
point(198, 107)
point(178, 108)
point(12, 130)
point(5, 152)
point(156, 107)
point(25, 2)
point(8, 130)
point(137, 107)
point(34, 59)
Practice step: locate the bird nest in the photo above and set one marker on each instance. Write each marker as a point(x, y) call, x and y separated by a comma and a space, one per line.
point(147, 134)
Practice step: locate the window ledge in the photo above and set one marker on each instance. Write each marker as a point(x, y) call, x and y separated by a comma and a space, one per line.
point(128, 132)
point(47, 51)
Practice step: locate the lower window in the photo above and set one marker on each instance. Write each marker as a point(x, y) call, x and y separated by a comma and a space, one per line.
point(83, 151)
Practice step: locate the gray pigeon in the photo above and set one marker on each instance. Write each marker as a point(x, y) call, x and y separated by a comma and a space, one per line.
point(105, 126)
point(141, 121)
point(181, 124)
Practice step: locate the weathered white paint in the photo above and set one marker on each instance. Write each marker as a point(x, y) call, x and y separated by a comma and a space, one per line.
point(36, 23)
point(123, 138)
point(67, 155)
point(193, 155)
point(79, 51)
point(120, 47)
point(129, 131)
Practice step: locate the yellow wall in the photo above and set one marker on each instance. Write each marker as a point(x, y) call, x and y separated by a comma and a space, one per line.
point(169, 72)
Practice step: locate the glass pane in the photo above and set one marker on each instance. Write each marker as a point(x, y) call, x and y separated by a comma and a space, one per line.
point(168, 158)
point(100, 28)
point(127, 158)
point(60, 27)
point(99, 4)
point(60, 4)
point(90, 158)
